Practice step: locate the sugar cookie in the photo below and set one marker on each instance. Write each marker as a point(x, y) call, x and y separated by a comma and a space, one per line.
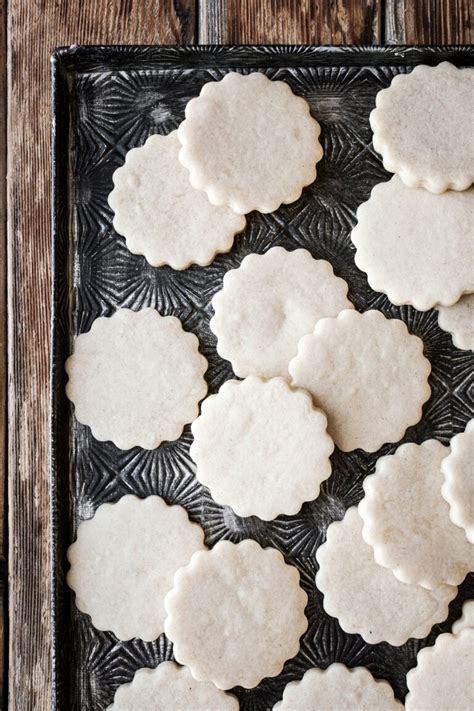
point(249, 142)
point(136, 378)
point(466, 620)
point(367, 373)
point(268, 304)
point(458, 485)
point(236, 614)
point(123, 562)
point(408, 242)
point(261, 447)
point(423, 128)
point(458, 320)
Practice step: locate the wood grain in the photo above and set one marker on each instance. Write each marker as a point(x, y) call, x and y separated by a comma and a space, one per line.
point(428, 22)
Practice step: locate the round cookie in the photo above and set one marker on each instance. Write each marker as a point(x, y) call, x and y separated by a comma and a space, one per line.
point(338, 688)
point(367, 373)
point(261, 447)
point(422, 126)
point(406, 520)
point(161, 215)
point(366, 598)
point(466, 621)
point(458, 320)
point(124, 560)
point(268, 304)
point(458, 485)
point(249, 142)
point(136, 378)
point(443, 677)
point(236, 614)
point(170, 687)
point(408, 242)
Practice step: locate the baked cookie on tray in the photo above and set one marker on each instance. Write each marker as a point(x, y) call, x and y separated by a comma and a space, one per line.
point(458, 485)
point(458, 320)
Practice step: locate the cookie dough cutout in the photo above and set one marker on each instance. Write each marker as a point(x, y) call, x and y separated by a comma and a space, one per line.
point(443, 677)
point(366, 598)
point(458, 320)
point(422, 127)
point(367, 373)
point(136, 378)
point(170, 687)
point(236, 614)
point(161, 215)
point(408, 242)
point(458, 485)
point(124, 560)
point(261, 447)
point(249, 143)
point(268, 304)
point(406, 519)
point(466, 621)
point(338, 688)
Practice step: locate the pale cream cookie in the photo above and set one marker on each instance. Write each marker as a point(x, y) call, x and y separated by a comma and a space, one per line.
point(443, 679)
point(466, 621)
point(458, 320)
point(423, 127)
point(261, 447)
point(409, 242)
point(366, 598)
point(124, 560)
point(161, 215)
point(338, 688)
point(268, 304)
point(136, 378)
point(236, 614)
point(249, 143)
point(406, 519)
point(170, 687)
point(458, 485)
point(367, 373)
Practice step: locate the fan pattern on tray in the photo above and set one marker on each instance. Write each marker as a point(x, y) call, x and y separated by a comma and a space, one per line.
point(115, 111)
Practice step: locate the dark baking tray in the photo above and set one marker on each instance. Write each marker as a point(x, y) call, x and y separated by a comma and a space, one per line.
point(107, 100)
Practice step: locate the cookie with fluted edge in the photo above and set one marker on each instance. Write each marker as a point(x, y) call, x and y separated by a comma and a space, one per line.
point(268, 303)
point(366, 598)
point(170, 687)
point(458, 485)
point(408, 242)
point(338, 688)
point(136, 378)
point(406, 519)
point(458, 320)
point(443, 677)
point(161, 215)
point(249, 142)
point(261, 447)
point(236, 614)
point(123, 562)
point(466, 621)
point(422, 127)
point(367, 373)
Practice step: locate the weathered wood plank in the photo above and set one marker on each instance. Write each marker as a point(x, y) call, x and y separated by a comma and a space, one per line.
point(3, 282)
point(428, 22)
point(290, 22)
point(35, 28)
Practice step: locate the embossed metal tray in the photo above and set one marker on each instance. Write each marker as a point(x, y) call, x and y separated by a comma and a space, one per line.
point(107, 100)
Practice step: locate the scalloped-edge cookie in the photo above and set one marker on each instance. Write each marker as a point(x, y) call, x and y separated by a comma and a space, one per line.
point(123, 562)
point(458, 485)
point(136, 378)
point(161, 215)
point(366, 598)
point(249, 143)
point(261, 447)
point(406, 520)
point(466, 621)
point(458, 320)
point(367, 373)
point(268, 303)
point(236, 614)
point(170, 687)
point(338, 688)
point(409, 241)
point(443, 679)
point(423, 129)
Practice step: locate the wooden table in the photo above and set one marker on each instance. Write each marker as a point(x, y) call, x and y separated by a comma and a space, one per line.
point(29, 30)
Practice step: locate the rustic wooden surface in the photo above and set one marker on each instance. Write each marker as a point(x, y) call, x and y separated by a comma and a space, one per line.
point(34, 28)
